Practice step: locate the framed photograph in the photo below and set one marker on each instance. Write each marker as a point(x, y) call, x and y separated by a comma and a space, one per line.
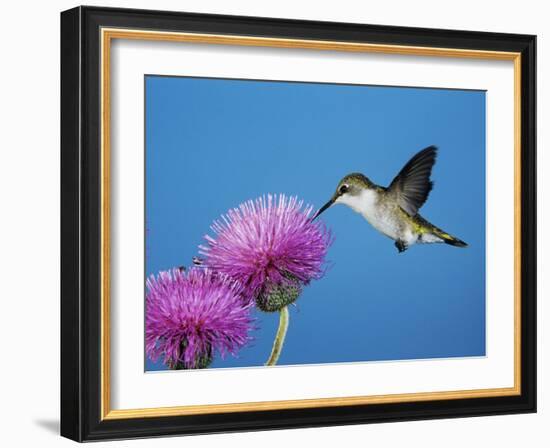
point(273, 223)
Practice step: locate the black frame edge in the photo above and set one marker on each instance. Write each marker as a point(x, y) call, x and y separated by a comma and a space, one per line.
point(529, 223)
point(80, 210)
point(71, 384)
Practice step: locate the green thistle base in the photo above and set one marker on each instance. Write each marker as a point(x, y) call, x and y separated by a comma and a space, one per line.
point(276, 297)
point(202, 362)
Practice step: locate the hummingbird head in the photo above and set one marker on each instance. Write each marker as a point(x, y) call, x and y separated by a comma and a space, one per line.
point(349, 188)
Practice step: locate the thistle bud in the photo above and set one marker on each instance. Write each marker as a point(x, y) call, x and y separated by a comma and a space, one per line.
point(274, 297)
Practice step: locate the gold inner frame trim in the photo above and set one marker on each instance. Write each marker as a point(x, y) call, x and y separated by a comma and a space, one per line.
point(107, 35)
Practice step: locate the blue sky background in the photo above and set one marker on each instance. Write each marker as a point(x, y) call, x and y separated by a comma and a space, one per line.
point(213, 143)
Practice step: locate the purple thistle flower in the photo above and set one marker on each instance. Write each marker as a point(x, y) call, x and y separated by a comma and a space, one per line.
point(191, 315)
point(269, 245)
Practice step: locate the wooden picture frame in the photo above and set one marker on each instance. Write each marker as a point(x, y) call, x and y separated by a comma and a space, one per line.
point(86, 35)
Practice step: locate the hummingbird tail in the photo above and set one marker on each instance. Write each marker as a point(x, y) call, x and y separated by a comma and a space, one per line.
point(451, 240)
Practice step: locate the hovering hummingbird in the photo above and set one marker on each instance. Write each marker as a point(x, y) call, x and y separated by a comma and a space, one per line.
point(393, 211)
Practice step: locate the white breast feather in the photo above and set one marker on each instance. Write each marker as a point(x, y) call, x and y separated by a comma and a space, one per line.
point(367, 205)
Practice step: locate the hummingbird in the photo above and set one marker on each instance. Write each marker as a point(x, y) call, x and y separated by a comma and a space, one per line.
point(393, 210)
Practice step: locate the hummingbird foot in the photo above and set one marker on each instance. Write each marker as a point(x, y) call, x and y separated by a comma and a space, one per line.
point(401, 246)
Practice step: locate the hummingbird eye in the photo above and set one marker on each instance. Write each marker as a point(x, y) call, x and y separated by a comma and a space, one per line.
point(343, 189)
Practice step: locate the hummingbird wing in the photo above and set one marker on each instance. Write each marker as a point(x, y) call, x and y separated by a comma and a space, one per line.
point(412, 185)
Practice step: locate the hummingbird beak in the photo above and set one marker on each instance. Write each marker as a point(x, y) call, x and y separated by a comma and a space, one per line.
point(323, 208)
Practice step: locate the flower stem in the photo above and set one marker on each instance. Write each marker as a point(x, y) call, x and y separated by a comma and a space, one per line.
point(279, 337)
